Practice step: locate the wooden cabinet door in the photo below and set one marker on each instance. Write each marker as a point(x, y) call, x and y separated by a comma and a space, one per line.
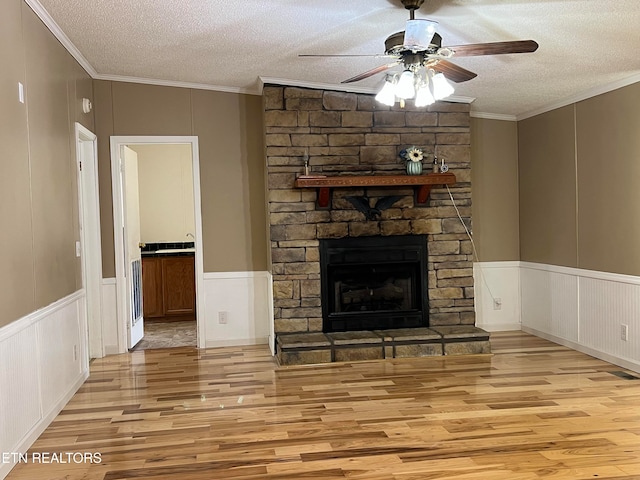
point(152, 287)
point(179, 289)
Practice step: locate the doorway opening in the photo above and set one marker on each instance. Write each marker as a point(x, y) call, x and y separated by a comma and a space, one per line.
point(158, 235)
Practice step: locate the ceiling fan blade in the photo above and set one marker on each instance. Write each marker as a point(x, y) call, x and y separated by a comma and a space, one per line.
point(495, 48)
point(371, 72)
point(375, 55)
point(453, 72)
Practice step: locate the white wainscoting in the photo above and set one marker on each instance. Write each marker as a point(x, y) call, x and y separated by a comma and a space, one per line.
point(44, 358)
point(584, 310)
point(245, 298)
point(109, 316)
point(497, 280)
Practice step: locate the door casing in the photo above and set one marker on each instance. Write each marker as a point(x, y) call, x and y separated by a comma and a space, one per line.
point(122, 308)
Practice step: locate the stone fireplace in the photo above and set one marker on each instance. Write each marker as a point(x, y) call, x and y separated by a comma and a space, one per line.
point(349, 134)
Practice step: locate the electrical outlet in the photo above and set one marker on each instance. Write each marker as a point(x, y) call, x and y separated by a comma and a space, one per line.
point(497, 304)
point(624, 332)
point(223, 317)
point(20, 92)
point(75, 353)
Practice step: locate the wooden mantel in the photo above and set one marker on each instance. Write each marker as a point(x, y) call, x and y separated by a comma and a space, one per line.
point(423, 182)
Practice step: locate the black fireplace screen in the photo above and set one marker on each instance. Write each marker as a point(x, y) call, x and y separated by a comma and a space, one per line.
point(371, 283)
point(374, 288)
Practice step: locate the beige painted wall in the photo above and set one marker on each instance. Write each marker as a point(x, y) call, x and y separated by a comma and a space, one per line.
point(494, 176)
point(229, 128)
point(579, 177)
point(38, 187)
point(547, 168)
point(608, 146)
point(165, 181)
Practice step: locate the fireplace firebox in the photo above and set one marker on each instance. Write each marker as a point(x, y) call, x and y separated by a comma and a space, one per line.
point(374, 283)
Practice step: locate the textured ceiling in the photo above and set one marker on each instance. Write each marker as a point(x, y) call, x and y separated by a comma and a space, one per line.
point(585, 45)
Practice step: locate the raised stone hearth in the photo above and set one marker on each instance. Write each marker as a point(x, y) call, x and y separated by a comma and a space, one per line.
point(347, 134)
point(312, 348)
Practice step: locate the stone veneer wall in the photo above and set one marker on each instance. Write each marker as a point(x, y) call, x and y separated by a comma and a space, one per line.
point(347, 134)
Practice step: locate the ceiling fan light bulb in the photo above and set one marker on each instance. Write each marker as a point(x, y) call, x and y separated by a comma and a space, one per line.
point(441, 87)
point(387, 95)
point(406, 85)
point(418, 34)
point(424, 97)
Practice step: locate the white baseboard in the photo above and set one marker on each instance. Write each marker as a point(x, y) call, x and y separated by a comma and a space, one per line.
point(237, 342)
point(629, 364)
point(46, 351)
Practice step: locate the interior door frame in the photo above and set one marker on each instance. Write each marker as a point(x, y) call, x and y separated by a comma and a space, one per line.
point(90, 237)
point(118, 221)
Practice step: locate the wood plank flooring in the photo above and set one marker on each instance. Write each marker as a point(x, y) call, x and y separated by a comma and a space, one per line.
point(531, 410)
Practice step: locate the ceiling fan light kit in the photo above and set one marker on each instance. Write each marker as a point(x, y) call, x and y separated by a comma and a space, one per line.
point(426, 69)
point(405, 88)
point(421, 83)
point(441, 87)
point(387, 94)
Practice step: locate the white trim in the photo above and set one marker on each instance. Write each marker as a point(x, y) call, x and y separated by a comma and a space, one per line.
point(51, 24)
point(498, 264)
point(623, 362)
point(223, 275)
point(494, 116)
point(497, 280)
point(109, 316)
point(29, 334)
point(178, 84)
point(341, 88)
point(270, 315)
point(121, 293)
point(613, 277)
point(38, 429)
point(583, 309)
point(34, 317)
point(237, 342)
point(593, 92)
point(244, 296)
point(90, 238)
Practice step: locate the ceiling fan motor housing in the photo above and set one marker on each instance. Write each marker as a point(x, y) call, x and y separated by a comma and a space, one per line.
point(412, 4)
point(394, 44)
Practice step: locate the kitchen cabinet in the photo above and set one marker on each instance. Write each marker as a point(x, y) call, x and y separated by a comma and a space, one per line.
point(168, 287)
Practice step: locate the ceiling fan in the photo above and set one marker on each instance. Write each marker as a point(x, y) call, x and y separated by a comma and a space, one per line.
point(419, 49)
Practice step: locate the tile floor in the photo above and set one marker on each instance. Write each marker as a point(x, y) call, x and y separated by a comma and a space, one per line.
point(158, 334)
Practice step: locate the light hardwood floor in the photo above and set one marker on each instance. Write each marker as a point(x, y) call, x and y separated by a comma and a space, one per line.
point(531, 410)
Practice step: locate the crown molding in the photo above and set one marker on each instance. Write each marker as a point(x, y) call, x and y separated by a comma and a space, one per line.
point(494, 116)
point(314, 85)
point(339, 87)
point(593, 92)
point(50, 23)
point(171, 83)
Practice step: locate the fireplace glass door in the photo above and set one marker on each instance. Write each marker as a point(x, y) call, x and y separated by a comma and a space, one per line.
point(373, 283)
point(378, 288)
